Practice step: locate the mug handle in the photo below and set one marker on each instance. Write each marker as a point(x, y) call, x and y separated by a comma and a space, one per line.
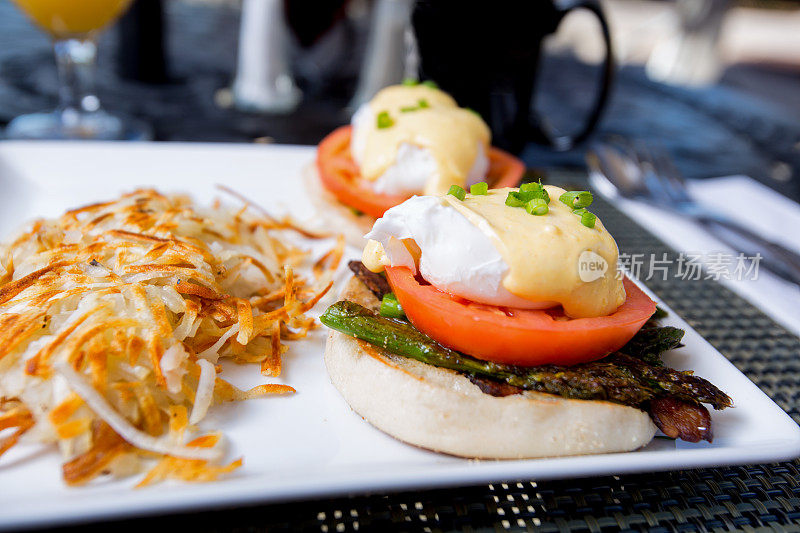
point(566, 142)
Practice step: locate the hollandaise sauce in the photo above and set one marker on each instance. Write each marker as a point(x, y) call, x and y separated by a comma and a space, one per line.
point(545, 254)
point(428, 118)
point(553, 257)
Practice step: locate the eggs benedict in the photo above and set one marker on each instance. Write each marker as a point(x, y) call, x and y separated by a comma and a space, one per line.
point(415, 139)
point(472, 328)
point(480, 249)
point(409, 139)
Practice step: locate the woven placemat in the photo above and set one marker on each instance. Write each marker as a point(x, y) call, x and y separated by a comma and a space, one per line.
point(758, 497)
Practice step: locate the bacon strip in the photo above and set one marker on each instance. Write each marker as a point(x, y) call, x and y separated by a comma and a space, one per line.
point(681, 420)
point(376, 283)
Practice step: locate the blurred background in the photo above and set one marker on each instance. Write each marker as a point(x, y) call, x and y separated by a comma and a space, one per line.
point(716, 83)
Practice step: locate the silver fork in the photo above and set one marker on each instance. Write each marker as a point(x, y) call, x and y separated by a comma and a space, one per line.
point(634, 170)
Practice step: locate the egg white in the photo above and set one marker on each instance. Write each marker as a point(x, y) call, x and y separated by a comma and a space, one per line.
point(413, 165)
point(457, 256)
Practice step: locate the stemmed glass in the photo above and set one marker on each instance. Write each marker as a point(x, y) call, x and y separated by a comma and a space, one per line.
point(74, 25)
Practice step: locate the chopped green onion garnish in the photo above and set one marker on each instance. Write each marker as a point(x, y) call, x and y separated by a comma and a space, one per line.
point(410, 82)
point(457, 191)
point(384, 120)
point(514, 200)
point(390, 307)
point(524, 197)
point(479, 188)
point(529, 191)
point(576, 199)
point(430, 83)
point(473, 111)
point(537, 206)
point(421, 104)
point(588, 219)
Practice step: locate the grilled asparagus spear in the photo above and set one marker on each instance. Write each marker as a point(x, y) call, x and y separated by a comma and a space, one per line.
point(626, 378)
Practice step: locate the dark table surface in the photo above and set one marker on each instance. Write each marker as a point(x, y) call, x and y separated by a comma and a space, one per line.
point(749, 124)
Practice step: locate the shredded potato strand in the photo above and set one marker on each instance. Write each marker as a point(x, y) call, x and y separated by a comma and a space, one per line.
point(16, 416)
point(115, 316)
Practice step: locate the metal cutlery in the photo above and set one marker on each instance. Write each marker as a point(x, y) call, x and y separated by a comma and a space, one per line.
point(630, 170)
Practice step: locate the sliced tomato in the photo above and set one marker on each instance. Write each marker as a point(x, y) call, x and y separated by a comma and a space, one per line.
point(505, 170)
point(523, 337)
point(341, 176)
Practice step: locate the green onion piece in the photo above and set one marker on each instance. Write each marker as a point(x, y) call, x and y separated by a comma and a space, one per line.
point(537, 206)
point(514, 200)
point(430, 83)
point(534, 190)
point(526, 196)
point(527, 192)
point(390, 307)
point(384, 120)
point(421, 104)
point(457, 191)
point(479, 189)
point(410, 82)
point(473, 111)
point(588, 219)
point(576, 199)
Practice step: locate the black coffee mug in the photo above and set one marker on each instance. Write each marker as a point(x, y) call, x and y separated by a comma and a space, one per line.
point(486, 54)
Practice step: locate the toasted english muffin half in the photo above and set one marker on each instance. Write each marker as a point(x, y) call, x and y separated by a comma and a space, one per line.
point(442, 410)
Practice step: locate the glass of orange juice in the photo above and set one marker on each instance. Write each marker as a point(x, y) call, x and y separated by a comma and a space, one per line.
point(73, 26)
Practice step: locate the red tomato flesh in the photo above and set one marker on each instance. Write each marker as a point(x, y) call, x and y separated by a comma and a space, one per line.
point(525, 337)
point(341, 176)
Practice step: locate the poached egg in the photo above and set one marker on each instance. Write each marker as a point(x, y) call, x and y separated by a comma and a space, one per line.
point(425, 143)
point(485, 251)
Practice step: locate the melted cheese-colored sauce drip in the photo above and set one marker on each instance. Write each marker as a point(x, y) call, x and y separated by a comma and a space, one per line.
point(543, 252)
point(374, 257)
point(452, 134)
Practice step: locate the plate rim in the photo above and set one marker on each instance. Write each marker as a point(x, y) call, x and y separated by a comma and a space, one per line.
point(244, 490)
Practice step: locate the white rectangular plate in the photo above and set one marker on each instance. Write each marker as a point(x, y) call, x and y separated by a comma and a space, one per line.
point(309, 444)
